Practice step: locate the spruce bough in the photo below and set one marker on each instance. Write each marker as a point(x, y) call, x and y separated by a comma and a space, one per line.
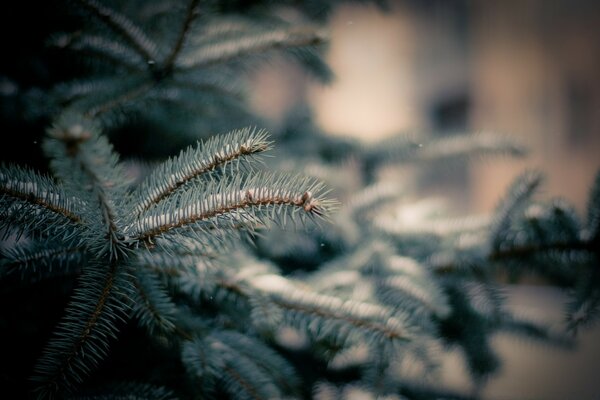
point(125, 239)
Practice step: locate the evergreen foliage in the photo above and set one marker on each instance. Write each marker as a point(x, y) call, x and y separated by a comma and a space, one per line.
point(218, 273)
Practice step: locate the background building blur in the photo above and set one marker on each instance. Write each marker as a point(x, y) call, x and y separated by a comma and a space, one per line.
point(527, 68)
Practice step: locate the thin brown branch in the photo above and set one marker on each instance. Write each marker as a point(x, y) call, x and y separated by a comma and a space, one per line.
point(215, 163)
point(125, 97)
point(281, 39)
point(245, 384)
point(41, 255)
point(530, 249)
point(332, 315)
point(108, 214)
point(525, 251)
point(30, 197)
point(89, 326)
point(192, 13)
point(182, 333)
point(306, 202)
point(124, 27)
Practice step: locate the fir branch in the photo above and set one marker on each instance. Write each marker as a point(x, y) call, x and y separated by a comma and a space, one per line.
point(525, 250)
point(372, 197)
point(214, 88)
point(24, 193)
point(242, 365)
point(217, 152)
point(87, 93)
point(265, 358)
point(583, 310)
point(226, 204)
point(153, 307)
point(246, 386)
point(312, 60)
point(102, 47)
point(81, 339)
point(375, 321)
point(124, 27)
point(470, 144)
point(593, 211)
point(36, 190)
point(39, 258)
point(408, 148)
point(191, 14)
point(583, 307)
point(226, 26)
point(469, 329)
point(538, 332)
point(518, 195)
point(412, 148)
point(189, 99)
point(400, 290)
point(123, 98)
point(217, 53)
point(439, 228)
point(82, 156)
point(173, 259)
point(108, 214)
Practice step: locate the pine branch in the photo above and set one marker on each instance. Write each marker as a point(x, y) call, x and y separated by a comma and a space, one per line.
point(470, 330)
point(122, 99)
point(226, 26)
point(518, 195)
point(123, 26)
point(583, 307)
point(88, 93)
point(226, 204)
point(265, 358)
point(538, 332)
point(372, 197)
point(593, 211)
point(82, 157)
point(400, 290)
point(216, 89)
point(520, 252)
point(189, 99)
point(39, 259)
point(218, 152)
point(24, 192)
point(377, 323)
point(37, 190)
point(153, 307)
point(471, 144)
point(81, 340)
point(192, 13)
point(243, 366)
point(103, 48)
point(218, 53)
point(403, 149)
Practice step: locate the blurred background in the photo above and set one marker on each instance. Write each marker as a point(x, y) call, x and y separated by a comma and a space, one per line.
point(525, 68)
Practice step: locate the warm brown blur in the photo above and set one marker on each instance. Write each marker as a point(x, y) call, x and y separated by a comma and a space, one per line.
point(528, 68)
point(525, 68)
point(536, 74)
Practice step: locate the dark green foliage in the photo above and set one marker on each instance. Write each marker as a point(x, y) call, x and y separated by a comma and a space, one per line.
point(113, 223)
point(217, 273)
point(129, 391)
point(154, 61)
point(593, 217)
